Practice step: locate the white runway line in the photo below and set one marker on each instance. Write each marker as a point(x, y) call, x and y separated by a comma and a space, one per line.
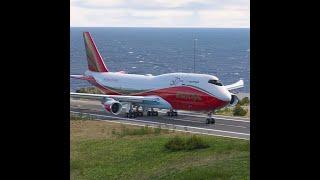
point(186, 120)
point(216, 116)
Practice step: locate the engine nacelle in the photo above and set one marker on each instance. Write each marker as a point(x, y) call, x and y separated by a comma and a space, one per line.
point(112, 106)
point(234, 100)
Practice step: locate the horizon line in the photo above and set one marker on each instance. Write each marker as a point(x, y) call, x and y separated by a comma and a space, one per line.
point(157, 27)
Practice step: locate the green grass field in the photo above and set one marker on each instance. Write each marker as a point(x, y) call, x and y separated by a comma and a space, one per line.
point(104, 150)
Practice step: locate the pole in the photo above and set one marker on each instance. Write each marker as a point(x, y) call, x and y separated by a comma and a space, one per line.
point(194, 55)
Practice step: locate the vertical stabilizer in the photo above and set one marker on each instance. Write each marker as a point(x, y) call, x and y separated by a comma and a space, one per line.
point(95, 61)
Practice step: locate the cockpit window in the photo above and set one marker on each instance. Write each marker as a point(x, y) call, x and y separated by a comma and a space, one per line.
point(215, 82)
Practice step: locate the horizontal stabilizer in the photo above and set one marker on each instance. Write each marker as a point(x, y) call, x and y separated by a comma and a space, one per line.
point(82, 77)
point(236, 85)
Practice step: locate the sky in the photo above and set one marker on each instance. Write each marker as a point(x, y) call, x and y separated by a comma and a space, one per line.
point(160, 13)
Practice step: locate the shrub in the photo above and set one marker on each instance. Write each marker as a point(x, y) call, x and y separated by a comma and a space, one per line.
point(244, 101)
point(175, 144)
point(239, 111)
point(196, 142)
point(225, 110)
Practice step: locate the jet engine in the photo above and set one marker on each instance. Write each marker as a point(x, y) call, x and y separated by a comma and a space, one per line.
point(112, 105)
point(234, 100)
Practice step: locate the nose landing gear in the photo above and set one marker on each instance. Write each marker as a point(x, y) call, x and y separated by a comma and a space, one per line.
point(210, 119)
point(172, 113)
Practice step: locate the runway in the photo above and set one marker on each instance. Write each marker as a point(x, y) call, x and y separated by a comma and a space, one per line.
point(233, 127)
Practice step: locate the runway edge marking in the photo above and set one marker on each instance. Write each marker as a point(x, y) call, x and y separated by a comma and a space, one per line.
point(169, 124)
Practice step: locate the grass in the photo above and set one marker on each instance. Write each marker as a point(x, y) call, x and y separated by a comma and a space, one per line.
point(127, 131)
point(105, 150)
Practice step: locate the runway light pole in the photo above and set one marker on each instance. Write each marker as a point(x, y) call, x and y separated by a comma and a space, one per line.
point(194, 55)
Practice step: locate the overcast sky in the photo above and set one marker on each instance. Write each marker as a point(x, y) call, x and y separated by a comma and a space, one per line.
point(160, 13)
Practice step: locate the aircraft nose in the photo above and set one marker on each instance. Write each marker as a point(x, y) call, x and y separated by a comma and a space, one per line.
point(226, 96)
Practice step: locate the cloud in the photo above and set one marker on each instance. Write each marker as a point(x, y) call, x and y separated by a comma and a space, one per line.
point(160, 13)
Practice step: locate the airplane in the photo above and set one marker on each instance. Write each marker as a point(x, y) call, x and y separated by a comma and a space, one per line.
point(145, 93)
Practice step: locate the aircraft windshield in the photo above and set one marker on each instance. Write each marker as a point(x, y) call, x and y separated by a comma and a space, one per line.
point(215, 82)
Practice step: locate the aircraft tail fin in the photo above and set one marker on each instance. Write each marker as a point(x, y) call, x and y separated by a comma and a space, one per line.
point(95, 61)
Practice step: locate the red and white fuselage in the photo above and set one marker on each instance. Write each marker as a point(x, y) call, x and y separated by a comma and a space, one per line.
point(185, 91)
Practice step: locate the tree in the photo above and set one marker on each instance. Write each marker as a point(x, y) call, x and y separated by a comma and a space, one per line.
point(239, 111)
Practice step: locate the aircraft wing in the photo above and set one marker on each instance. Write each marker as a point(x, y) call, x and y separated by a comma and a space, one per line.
point(83, 77)
point(77, 76)
point(151, 101)
point(236, 85)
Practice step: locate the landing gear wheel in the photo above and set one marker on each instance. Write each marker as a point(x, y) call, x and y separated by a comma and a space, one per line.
point(155, 113)
point(213, 121)
point(172, 113)
point(152, 113)
point(131, 114)
point(210, 121)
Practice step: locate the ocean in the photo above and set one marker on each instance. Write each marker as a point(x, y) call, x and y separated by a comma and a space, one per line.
point(221, 52)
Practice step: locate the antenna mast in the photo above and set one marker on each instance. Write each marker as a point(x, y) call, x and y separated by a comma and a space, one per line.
point(194, 54)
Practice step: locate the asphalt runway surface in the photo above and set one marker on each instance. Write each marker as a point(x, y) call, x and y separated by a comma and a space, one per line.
point(226, 126)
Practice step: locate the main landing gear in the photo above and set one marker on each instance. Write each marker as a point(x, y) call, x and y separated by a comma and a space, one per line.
point(152, 113)
point(134, 113)
point(210, 119)
point(172, 113)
